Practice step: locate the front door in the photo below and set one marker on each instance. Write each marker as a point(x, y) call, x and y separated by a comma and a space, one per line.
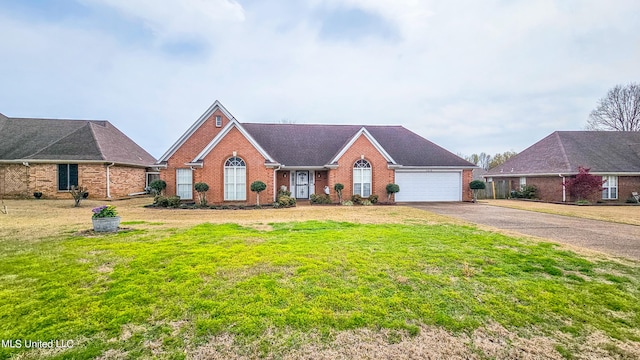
point(302, 184)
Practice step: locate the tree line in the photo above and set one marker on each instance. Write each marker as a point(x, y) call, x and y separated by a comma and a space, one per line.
point(487, 161)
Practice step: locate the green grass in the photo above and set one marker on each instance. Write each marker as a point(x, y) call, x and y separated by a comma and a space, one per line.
point(302, 277)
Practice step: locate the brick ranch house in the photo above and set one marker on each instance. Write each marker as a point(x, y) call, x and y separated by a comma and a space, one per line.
point(614, 156)
point(51, 155)
point(229, 156)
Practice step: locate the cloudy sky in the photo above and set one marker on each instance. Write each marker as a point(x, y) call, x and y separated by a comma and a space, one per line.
point(472, 76)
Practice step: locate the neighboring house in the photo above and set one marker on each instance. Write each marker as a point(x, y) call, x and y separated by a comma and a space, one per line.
point(51, 155)
point(612, 155)
point(229, 156)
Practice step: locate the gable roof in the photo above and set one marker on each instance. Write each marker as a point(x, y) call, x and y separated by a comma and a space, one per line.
point(319, 145)
point(195, 126)
point(562, 152)
point(68, 140)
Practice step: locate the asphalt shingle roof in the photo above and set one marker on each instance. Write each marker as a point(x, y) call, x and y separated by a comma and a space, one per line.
point(317, 145)
point(68, 140)
point(562, 152)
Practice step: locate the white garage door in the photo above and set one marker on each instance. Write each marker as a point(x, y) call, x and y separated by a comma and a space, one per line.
point(429, 186)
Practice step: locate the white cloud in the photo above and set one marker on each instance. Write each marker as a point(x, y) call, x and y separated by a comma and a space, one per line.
point(520, 69)
point(169, 19)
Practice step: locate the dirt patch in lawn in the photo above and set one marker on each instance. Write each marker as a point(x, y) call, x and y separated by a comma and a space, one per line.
point(492, 341)
point(34, 219)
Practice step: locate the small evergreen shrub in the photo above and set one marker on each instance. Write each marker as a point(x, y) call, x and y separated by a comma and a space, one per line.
point(157, 186)
point(373, 199)
point(257, 187)
point(366, 203)
point(347, 203)
point(392, 189)
point(320, 199)
point(356, 199)
point(338, 188)
point(202, 189)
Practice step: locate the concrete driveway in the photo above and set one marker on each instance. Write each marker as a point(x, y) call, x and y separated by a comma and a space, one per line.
point(611, 238)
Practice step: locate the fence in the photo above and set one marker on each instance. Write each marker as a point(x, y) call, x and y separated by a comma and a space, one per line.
point(495, 190)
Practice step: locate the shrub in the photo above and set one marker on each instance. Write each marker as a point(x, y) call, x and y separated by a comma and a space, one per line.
point(202, 189)
point(338, 188)
point(347, 203)
point(158, 186)
point(373, 199)
point(366, 202)
point(78, 193)
point(584, 185)
point(320, 199)
point(171, 201)
point(392, 189)
point(161, 201)
point(174, 201)
point(477, 185)
point(257, 187)
point(286, 201)
point(356, 199)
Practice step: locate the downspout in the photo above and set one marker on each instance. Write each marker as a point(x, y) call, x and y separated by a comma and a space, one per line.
point(564, 189)
point(109, 180)
point(275, 180)
point(26, 172)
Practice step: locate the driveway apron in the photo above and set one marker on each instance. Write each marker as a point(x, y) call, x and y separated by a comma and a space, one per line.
point(611, 238)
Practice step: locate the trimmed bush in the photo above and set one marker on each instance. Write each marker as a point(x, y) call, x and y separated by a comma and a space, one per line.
point(158, 186)
point(392, 189)
point(338, 188)
point(477, 185)
point(356, 199)
point(257, 187)
point(202, 188)
point(373, 199)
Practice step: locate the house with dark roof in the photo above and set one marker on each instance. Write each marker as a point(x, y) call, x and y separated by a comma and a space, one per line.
point(52, 155)
point(309, 159)
point(612, 155)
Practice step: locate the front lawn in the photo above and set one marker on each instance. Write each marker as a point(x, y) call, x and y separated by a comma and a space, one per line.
point(224, 290)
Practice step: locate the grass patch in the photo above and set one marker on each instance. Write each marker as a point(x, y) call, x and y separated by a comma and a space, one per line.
point(151, 292)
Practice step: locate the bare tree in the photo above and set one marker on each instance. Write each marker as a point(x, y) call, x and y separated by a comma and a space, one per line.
point(619, 110)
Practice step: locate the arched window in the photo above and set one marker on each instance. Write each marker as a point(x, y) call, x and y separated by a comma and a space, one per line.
point(235, 179)
point(362, 178)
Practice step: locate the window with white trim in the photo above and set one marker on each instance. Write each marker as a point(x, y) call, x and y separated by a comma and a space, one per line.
point(610, 187)
point(184, 184)
point(362, 178)
point(523, 182)
point(235, 179)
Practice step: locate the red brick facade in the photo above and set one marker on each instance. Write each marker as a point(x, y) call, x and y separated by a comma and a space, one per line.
point(20, 181)
point(549, 188)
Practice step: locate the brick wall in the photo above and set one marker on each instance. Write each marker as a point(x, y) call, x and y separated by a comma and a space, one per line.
point(381, 174)
point(467, 177)
point(627, 185)
point(125, 180)
point(21, 181)
point(190, 149)
point(212, 172)
point(14, 180)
